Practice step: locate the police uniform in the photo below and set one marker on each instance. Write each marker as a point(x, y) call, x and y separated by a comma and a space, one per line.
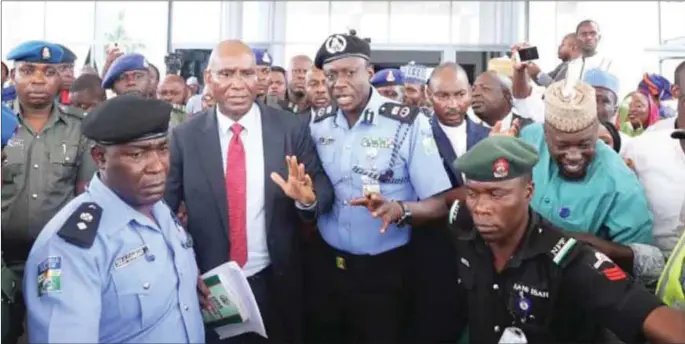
point(391, 79)
point(123, 64)
point(68, 59)
point(127, 278)
point(417, 75)
point(9, 281)
point(360, 272)
point(263, 59)
point(553, 289)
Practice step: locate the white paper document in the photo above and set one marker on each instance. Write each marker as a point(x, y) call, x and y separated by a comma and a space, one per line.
point(234, 308)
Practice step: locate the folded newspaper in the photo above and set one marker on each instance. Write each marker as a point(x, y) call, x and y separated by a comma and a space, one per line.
point(234, 310)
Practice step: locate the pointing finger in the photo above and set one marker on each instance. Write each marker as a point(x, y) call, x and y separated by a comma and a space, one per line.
point(361, 201)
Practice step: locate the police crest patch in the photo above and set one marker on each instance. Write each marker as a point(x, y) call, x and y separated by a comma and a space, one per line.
point(500, 168)
point(45, 53)
point(50, 275)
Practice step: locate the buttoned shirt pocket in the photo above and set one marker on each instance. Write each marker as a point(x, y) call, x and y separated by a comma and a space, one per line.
point(63, 160)
point(143, 294)
point(10, 182)
point(326, 147)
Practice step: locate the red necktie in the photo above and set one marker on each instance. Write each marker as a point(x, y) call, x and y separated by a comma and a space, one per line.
point(236, 196)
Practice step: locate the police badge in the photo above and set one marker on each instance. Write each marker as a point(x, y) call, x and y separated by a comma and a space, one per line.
point(45, 53)
point(500, 168)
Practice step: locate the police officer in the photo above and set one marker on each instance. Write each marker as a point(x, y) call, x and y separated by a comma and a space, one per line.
point(128, 74)
point(9, 279)
point(47, 159)
point(66, 73)
point(524, 282)
point(368, 144)
point(127, 264)
point(389, 83)
point(264, 62)
point(415, 81)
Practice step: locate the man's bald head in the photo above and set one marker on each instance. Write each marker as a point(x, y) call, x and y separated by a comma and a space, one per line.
point(448, 70)
point(570, 47)
point(171, 78)
point(300, 58)
point(230, 48)
point(297, 72)
point(232, 77)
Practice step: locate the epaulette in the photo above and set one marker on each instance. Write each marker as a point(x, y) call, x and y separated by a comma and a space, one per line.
point(324, 113)
point(72, 111)
point(403, 113)
point(81, 227)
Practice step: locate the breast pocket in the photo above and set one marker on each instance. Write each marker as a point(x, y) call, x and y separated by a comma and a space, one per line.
point(11, 174)
point(327, 156)
point(143, 294)
point(63, 160)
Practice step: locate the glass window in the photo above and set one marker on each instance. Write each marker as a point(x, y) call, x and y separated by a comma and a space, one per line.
point(672, 23)
point(465, 22)
point(70, 21)
point(420, 22)
point(306, 21)
point(299, 49)
point(139, 26)
point(256, 19)
point(21, 21)
point(370, 19)
point(622, 40)
point(196, 22)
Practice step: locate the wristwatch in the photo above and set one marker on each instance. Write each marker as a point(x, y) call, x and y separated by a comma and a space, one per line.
point(406, 215)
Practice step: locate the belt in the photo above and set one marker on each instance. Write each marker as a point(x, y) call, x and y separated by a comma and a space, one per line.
point(351, 262)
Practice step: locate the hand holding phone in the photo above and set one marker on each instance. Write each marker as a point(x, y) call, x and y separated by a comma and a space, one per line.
point(528, 54)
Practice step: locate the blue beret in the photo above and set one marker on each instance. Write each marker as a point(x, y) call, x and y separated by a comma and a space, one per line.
point(36, 51)
point(340, 46)
point(126, 63)
point(415, 74)
point(9, 124)
point(68, 56)
point(262, 57)
point(127, 118)
point(598, 78)
point(387, 77)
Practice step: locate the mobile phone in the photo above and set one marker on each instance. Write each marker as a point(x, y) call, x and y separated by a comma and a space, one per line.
point(529, 54)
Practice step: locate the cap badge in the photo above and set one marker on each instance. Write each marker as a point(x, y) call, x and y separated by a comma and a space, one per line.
point(266, 58)
point(336, 44)
point(500, 168)
point(390, 77)
point(45, 53)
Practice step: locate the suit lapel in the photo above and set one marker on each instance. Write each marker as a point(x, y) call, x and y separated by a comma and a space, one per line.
point(208, 147)
point(474, 133)
point(274, 159)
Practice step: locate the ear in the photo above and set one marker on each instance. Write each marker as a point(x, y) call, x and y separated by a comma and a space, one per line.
point(370, 72)
point(530, 187)
point(675, 91)
point(207, 77)
point(97, 152)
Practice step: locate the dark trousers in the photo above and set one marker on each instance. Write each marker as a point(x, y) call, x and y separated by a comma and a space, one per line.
point(355, 299)
point(263, 288)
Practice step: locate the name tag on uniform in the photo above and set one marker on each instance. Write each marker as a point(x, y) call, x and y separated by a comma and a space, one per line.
point(370, 186)
point(130, 257)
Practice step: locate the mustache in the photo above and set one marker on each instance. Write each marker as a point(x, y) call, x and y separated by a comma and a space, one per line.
point(455, 111)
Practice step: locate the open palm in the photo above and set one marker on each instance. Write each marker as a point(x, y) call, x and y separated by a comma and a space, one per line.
point(298, 184)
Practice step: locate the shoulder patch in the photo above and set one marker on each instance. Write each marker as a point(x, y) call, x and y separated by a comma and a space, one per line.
point(561, 249)
point(402, 113)
point(324, 113)
point(81, 227)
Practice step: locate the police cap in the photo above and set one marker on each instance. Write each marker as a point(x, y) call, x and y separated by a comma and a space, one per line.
point(387, 77)
point(36, 51)
point(262, 57)
point(338, 46)
point(68, 56)
point(9, 124)
point(127, 118)
point(123, 64)
point(497, 158)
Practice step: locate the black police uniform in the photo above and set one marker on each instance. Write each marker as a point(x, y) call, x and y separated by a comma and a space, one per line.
point(554, 289)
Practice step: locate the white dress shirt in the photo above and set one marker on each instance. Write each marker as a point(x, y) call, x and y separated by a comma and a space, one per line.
point(251, 136)
point(660, 165)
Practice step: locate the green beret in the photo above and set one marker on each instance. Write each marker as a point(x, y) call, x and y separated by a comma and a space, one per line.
point(497, 158)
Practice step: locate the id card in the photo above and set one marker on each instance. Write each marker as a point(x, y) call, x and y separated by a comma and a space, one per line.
point(370, 186)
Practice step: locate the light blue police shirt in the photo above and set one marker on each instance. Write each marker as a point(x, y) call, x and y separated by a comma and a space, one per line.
point(135, 284)
point(375, 143)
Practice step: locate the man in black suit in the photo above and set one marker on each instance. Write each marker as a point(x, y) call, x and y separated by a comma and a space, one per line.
point(221, 163)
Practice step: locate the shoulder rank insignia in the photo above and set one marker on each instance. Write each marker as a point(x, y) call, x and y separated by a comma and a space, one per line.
point(561, 249)
point(403, 113)
point(324, 113)
point(81, 227)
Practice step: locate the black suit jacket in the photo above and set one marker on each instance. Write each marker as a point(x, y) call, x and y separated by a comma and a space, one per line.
point(196, 177)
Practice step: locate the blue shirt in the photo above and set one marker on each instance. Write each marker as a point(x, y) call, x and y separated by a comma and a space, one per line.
point(609, 202)
point(417, 173)
point(135, 284)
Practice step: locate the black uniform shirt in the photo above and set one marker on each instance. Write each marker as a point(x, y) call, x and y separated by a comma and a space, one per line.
point(554, 289)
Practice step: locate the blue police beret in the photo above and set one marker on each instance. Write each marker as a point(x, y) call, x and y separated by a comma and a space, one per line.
point(36, 51)
point(598, 78)
point(262, 57)
point(340, 46)
point(127, 118)
point(68, 56)
point(415, 74)
point(126, 63)
point(388, 77)
point(9, 124)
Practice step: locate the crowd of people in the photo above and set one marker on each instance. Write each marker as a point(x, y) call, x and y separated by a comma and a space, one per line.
point(397, 206)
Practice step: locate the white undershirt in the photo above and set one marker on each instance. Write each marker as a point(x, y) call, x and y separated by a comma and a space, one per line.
point(251, 136)
point(457, 137)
